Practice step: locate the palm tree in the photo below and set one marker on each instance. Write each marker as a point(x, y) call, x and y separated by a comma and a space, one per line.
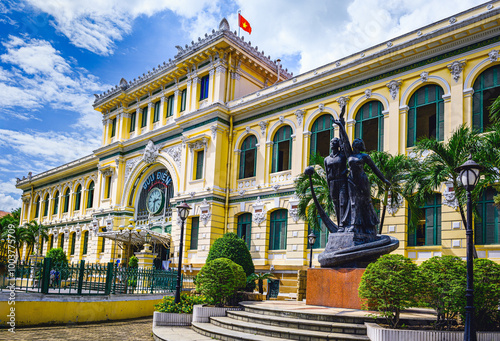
point(306, 208)
point(16, 235)
point(492, 155)
point(396, 169)
point(260, 277)
point(7, 221)
point(34, 233)
point(439, 161)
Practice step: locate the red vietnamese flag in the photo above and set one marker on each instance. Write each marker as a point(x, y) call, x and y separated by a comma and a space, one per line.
point(244, 24)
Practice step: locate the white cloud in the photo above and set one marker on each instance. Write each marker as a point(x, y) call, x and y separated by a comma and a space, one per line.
point(9, 203)
point(95, 25)
point(39, 77)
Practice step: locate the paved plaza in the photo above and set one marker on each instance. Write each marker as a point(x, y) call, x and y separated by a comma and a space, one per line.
point(137, 329)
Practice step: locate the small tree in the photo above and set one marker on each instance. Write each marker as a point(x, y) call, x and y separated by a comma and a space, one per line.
point(390, 285)
point(58, 257)
point(260, 277)
point(231, 247)
point(219, 280)
point(443, 287)
point(486, 294)
point(133, 262)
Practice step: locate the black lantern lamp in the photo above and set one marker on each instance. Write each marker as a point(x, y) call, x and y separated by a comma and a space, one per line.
point(183, 211)
point(312, 240)
point(469, 176)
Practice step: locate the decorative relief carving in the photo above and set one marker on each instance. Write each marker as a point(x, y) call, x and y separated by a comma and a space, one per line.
point(453, 20)
point(259, 214)
point(424, 76)
point(393, 207)
point(213, 130)
point(199, 144)
point(300, 115)
point(321, 107)
point(449, 197)
point(394, 86)
point(175, 153)
point(456, 69)
point(281, 119)
point(368, 93)
point(205, 213)
point(247, 129)
point(493, 55)
point(294, 211)
point(150, 153)
point(263, 126)
point(342, 101)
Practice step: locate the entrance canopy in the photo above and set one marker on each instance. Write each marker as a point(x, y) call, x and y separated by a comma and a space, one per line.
point(136, 237)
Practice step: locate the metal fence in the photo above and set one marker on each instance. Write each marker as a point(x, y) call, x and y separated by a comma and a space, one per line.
point(47, 277)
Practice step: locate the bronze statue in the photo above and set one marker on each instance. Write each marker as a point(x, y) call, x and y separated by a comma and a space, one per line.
point(354, 242)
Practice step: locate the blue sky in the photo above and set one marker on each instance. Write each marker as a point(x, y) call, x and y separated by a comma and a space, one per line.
point(55, 54)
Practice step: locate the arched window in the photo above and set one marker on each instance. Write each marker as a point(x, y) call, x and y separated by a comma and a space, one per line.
point(46, 206)
point(78, 197)
point(278, 228)
point(66, 200)
point(244, 229)
point(90, 195)
point(486, 90)
point(426, 114)
point(51, 242)
point(37, 207)
point(56, 203)
point(85, 241)
point(73, 242)
point(428, 229)
point(487, 225)
point(322, 132)
point(248, 157)
point(282, 149)
point(370, 125)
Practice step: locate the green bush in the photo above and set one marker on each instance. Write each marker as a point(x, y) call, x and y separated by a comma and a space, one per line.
point(219, 280)
point(390, 285)
point(58, 257)
point(444, 287)
point(486, 295)
point(133, 262)
point(231, 247)
point(185, 306)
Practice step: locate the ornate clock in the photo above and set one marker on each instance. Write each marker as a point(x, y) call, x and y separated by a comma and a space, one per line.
point(155, 201)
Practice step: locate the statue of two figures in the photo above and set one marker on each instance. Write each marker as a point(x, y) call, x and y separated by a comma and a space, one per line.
point(353, 240)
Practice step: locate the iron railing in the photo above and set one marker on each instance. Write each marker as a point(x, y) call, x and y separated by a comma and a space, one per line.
point(47, 277)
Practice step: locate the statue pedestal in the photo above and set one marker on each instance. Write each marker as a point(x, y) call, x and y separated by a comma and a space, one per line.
point(334, 287)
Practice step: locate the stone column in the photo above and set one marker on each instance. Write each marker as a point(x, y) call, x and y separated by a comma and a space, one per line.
point(194, 93)
point(105, 132)
point(219, 83)
point(396, 138)
point(211, 84)
point(163, 109)
point(151, 111)
point(451, 108)
point(189, 91)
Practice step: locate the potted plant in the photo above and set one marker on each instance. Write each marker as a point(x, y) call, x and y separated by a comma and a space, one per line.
point(167, 313)
point(219, 280)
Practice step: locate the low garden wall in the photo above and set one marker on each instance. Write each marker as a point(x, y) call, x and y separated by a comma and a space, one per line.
point(36, 309)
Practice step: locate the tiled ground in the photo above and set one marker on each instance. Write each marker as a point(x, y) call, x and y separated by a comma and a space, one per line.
point(138, 329)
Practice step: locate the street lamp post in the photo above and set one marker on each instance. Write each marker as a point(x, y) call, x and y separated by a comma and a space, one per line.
point(312, 240)
point(469, 175)
point(183, 211)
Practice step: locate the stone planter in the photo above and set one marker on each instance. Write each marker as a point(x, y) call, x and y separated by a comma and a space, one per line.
point(378, 333)
point(202, 313)
point(171, 319)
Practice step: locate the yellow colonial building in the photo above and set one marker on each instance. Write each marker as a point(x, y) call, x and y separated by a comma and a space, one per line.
point(225, 128)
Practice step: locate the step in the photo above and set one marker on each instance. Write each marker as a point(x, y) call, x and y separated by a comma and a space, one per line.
point(287, 322)
point(216, 332)
point(282, 332)
point(303, 315)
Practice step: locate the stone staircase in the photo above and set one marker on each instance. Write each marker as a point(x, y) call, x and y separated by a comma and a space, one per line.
point(258, 323)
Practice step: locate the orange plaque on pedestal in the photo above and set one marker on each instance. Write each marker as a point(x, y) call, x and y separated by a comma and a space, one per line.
point(334, 287)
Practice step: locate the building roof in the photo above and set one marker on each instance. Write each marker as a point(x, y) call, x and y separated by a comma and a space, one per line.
point(3, 214)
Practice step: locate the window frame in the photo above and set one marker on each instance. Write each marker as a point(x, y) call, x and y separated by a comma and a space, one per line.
point(46, 206)
point(245, 219)
point(55, 209)
point(67, 194)
point(133, 117)
point(156, 115)
point(436, 207)
point(204, 86)
point(170, 106)
point(113, 127)
point(78, 197)
point(199, 165)
point(90, 195)
point(315, 131)
point(183, 100)
point(361, 121)
point(277, 140)
point(278, 229)
point(479, 91)
point(249, 144)
point(483, 205)
point(144, 117)
point(73, 242)
point(85, 242)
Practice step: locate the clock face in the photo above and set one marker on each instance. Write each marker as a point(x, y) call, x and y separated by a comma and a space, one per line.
point(155, 201)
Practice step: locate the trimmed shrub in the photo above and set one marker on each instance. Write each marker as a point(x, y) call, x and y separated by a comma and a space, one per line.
point(185, 306)
point(133, 262)
point(443, 289)
point(231, 247)
point(58, 257)
point(219, 280)
point(486, 295)
point(390, 285)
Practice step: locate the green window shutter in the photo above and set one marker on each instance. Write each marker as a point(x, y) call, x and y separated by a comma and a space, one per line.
point(144, 120)
point(429, 226)
point(195, 228)
point(183, 99)
point(113, 127)
point(438, 225)
point(37, 208)
point(132, 122)
point(244, 229)
point(440, 121)
point(381, 132)
point(78, 197)
point(412, 231)
point(51, 244)
point(90, 195)
point(170, 106)
point(278, 230)
point(156, 116)
point(46, 206)
point(61, 243)
point(200, 155)
point(108, 187)
point(477, 110)
point(73, 241)
point(103, 244)
point(56, 203)
point(66, 201)
point(85, 242)
point(411, 128)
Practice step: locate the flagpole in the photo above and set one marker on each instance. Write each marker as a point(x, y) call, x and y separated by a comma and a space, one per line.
point(239, 11)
